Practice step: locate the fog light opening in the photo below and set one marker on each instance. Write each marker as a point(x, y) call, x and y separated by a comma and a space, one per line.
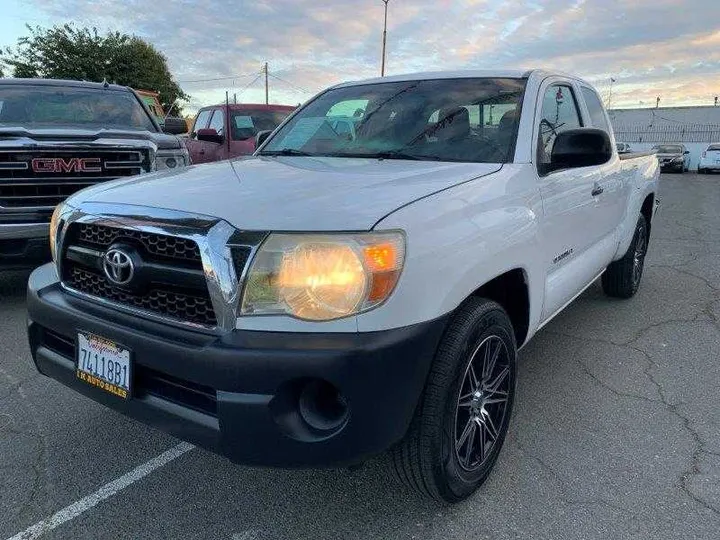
point(322, 406)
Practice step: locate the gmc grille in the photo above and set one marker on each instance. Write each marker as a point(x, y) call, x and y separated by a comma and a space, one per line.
point(170, 281)
point(41, 179)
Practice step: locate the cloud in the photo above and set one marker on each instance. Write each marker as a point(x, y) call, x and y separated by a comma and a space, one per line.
point(651, 47)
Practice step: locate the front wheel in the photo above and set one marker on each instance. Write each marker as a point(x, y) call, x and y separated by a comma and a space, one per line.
point(622, 278)
point(463, 415)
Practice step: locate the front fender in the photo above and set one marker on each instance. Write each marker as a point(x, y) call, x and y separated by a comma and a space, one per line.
point(460, 239)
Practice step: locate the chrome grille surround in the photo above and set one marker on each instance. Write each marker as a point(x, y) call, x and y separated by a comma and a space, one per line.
point(214, 237)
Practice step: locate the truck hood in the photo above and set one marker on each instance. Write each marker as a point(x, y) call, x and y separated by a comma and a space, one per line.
point(14, 137)
point(290, 193)
point(665, 156)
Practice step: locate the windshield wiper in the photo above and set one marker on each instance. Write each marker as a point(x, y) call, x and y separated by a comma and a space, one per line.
point(399, 154)
point(284, 152)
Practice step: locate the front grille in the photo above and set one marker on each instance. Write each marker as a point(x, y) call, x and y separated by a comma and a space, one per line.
point(44, 178)
point(184, 307)
point(171, 247)
point(169, 282)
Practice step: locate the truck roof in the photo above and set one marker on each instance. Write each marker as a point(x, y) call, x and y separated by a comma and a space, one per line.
point(460, 74)
point(62, 82)
point(255, 106)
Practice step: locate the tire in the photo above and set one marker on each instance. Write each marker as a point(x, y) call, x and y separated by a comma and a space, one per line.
point(449, 450)
point(622, 278)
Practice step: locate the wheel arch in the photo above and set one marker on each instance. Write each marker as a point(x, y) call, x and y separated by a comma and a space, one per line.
point(647, 210)
point(511, 290)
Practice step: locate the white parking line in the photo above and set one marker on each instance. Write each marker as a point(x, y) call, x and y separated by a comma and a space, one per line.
point(108, 490)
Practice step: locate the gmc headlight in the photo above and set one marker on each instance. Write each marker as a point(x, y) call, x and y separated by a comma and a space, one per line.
point(319, 277)
point(171, 159)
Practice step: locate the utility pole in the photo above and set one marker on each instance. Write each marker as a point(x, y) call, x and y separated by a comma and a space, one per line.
point(609, 103)
point(384, 40)
point(267, 90)
point(657, 102)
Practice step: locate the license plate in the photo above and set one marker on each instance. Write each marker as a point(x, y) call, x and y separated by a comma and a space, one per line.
point(104, 364)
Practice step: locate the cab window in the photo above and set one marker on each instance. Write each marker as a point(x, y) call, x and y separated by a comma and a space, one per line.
point(595, 108)
point(217, 122)
point(559, 113)
point(201, 121)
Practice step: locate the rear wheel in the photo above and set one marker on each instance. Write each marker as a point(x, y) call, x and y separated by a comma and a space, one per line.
point(463, 415)
point(622, 278)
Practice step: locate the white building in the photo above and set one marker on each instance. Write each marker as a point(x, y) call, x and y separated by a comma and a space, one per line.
point(695, 127)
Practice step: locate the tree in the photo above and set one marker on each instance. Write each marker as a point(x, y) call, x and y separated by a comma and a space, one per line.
point(66, 52)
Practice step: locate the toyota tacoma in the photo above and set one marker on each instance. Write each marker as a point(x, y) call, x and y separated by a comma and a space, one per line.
point(57, 137)
point(342, 294)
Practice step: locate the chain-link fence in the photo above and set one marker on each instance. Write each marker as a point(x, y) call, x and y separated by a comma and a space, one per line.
point(663, 133)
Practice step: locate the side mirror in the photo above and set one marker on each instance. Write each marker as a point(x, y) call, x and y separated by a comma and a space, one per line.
point(581, 147)
point(261, 137)
point(209, 135)
point(174, 126)
point(686, 152)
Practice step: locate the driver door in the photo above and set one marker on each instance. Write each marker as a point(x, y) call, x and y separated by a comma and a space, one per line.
point(570, 229)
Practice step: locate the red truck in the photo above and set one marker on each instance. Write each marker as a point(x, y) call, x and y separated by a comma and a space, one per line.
point(227, 131)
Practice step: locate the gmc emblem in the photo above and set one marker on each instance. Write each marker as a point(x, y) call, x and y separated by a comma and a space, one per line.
point(62, 165)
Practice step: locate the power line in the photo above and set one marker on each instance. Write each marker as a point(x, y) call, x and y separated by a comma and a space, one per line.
point(218, 78)
point(248, 85)
point(295, 86)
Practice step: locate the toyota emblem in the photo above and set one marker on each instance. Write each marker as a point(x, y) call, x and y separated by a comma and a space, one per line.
point(118, 266)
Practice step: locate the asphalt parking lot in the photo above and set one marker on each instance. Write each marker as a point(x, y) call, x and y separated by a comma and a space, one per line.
point(616, 432)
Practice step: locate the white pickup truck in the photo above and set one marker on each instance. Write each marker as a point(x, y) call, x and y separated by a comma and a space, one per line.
point(343, 293)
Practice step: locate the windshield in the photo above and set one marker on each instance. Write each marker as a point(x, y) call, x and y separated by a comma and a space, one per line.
point(668, 149)
point(52, 106)
point(714, 148)
point(247, 122)
point(471, 120)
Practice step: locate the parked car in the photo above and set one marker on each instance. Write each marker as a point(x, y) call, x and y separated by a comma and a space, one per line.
point(211, 140)
point(710, 159)
point(672, 157)
point(331, 298)
point(623, 148)
point(57, 137)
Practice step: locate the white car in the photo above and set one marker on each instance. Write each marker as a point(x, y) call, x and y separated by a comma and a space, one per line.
point(332, 298)
point(623, 148)
point(710, 159)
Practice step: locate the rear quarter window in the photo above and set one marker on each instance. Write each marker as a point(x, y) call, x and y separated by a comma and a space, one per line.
point(596, 109)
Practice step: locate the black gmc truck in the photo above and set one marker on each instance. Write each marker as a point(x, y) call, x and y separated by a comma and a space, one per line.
point(57, 137)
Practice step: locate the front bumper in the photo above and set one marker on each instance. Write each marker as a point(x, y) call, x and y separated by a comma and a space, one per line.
point(238, 394)
point(670, 165)
point(709, 166)
point(23, 245)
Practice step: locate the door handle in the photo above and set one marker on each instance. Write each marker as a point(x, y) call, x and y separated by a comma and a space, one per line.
point(597, 190)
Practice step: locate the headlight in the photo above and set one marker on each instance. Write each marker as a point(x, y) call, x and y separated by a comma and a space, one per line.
point(677, 159)
point(171, 159)
point(54, 224)
point(319, 277)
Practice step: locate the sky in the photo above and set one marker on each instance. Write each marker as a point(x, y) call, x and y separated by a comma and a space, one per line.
point(666, 48)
